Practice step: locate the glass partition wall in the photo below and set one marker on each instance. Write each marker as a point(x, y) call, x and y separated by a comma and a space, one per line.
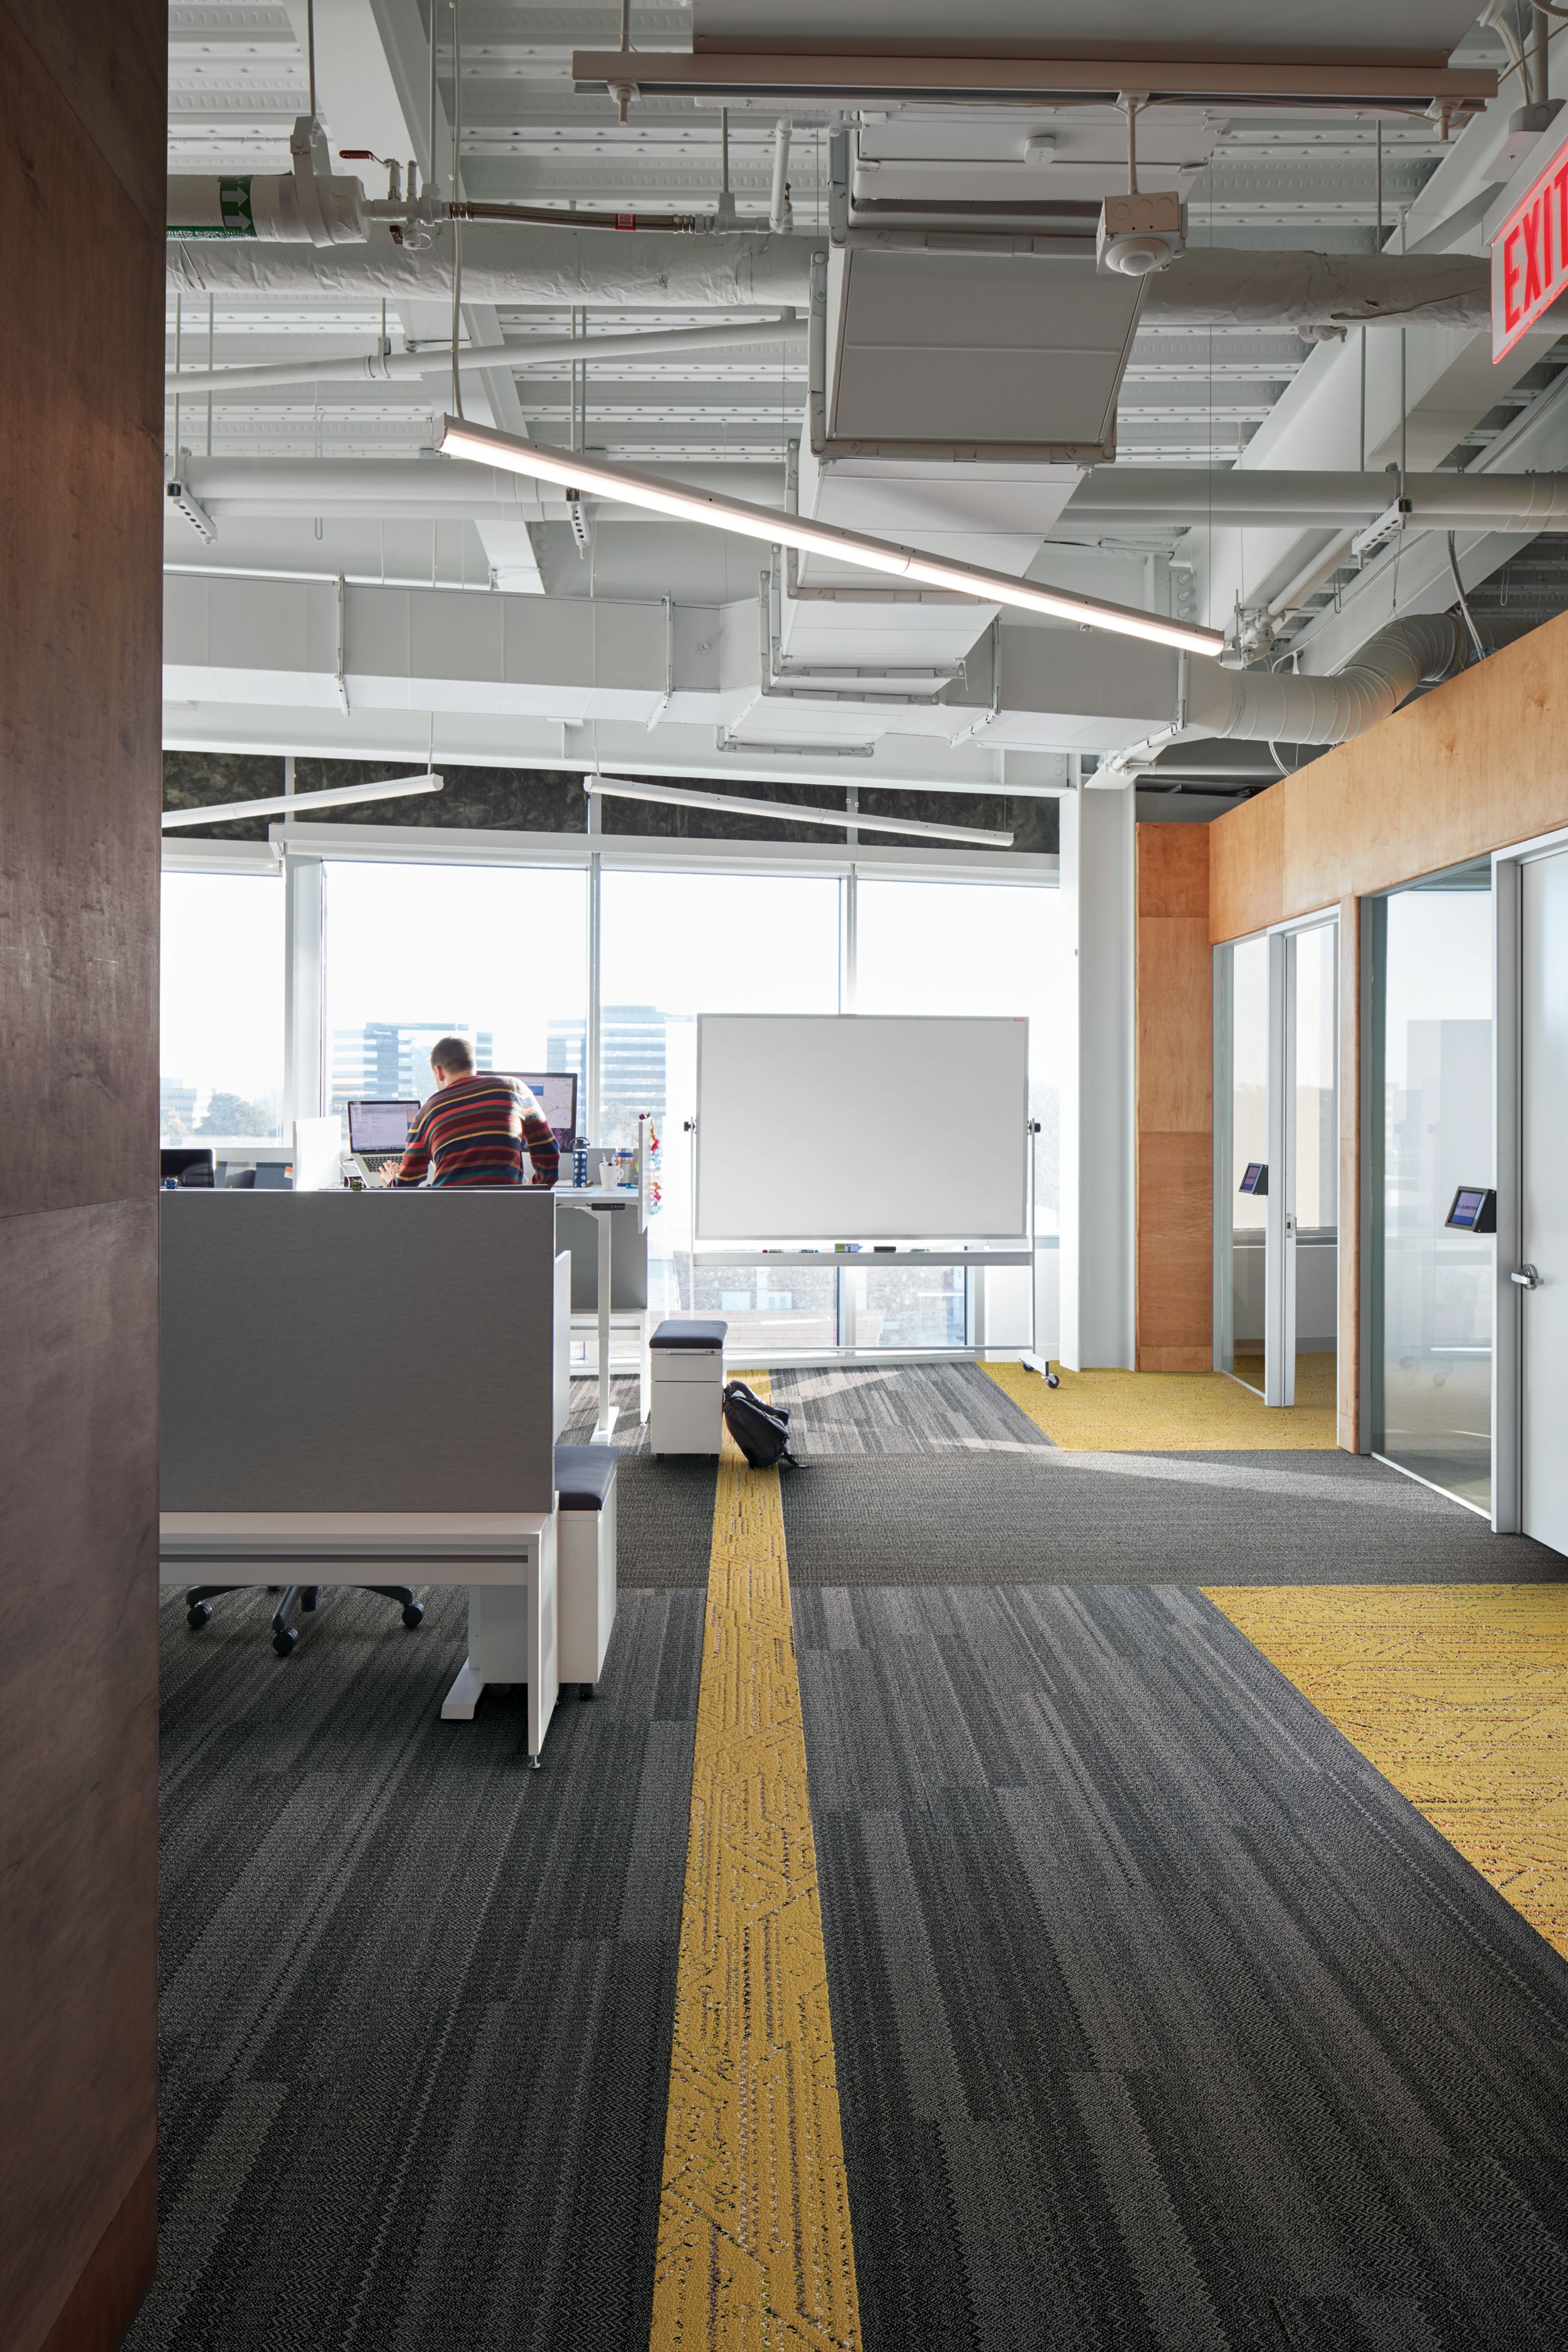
point(1429, 1133)
point(1277, 1163)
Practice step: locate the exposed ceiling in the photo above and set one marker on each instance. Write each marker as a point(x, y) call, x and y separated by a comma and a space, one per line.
point(1280, 177)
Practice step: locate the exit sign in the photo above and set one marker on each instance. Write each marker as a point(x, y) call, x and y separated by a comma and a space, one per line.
point(1530, 255)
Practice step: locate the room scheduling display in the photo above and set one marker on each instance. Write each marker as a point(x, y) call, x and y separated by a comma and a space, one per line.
point(1255, 1177)
point(1474, 1209)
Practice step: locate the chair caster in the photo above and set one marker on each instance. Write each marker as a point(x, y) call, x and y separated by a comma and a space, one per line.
point(198, 1614)
point(285, 1639)
point(413, 1614)
point(1053, 1381)
point(308, 1598)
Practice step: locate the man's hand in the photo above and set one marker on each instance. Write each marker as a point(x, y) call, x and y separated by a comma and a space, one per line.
point(389, 1176)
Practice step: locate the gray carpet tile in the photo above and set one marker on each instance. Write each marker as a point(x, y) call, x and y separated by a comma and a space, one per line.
point(663, 1510)
point(1161, 2021)
point(1047, 1517)
point(416, 1999)
point(902, 1408)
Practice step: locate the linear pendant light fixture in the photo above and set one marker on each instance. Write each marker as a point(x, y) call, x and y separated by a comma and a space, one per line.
point(459, 438)
point(790, 813)
point(396, 788)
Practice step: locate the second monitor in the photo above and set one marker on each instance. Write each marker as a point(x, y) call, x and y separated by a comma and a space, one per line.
point(555, 1092)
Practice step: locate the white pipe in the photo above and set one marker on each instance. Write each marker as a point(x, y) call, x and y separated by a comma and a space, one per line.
point(546, 350)
point(1226, 286)
point(1264, 706)
point(778, 219)
point(552, 268)
point(397, 788)
point(1263, 499)
point(787, 812)
point(414, 490)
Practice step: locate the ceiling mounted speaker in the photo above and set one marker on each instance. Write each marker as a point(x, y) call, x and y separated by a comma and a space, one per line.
point(1139, 233)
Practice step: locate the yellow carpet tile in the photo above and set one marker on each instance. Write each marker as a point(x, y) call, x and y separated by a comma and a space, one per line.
point(1172, 1413)
point(753, 2250)
point(1458, 1694)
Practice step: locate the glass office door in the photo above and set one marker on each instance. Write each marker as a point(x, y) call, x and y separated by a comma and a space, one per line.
point(1277, 1163)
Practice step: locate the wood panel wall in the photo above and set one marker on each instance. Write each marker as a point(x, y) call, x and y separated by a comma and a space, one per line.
point(82, 166)
point(1474, 765)
point(1174, 1100)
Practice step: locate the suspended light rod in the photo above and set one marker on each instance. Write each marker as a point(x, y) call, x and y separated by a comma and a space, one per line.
point(396, 788)
point(789, 812)
point(459, 438)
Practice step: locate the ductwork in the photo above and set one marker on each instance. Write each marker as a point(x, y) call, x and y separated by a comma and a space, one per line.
point(555, 269)
point(1313, 293)
point(1268, 707)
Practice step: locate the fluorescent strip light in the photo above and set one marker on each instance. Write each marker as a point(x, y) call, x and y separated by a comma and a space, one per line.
point(458, 438)
point(787, 812)
point(396, 788)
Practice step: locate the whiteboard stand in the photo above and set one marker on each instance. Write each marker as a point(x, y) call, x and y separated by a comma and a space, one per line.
point(1031, 1360)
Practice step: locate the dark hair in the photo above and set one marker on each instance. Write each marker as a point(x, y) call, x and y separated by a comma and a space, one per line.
point(451, 1054)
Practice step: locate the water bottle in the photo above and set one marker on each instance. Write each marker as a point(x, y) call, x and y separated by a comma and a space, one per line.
point(579, 1165)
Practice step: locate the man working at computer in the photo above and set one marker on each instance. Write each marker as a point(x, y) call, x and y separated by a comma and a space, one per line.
point(476, 1127)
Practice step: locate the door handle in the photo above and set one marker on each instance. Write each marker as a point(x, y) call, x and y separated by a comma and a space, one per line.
point(1527, 1278)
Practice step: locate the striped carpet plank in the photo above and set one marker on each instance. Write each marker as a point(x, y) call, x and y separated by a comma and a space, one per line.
point(1163, 2020)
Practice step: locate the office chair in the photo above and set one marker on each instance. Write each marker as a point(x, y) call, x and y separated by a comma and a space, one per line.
point(285, 1637)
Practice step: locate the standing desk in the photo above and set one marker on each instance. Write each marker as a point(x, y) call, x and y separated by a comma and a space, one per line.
point(602, 1202)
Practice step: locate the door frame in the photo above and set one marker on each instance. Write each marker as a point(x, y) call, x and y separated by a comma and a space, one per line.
point(1508, 1116)
point(1280, 1289)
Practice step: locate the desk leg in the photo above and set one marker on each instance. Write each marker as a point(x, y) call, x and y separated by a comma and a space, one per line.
point(606, 1421)
point(543, 1672)
point(460, 1701)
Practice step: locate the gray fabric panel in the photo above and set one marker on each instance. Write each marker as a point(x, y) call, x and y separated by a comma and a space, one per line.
point(346, 1351)
point(416, 1999)
point(901, 1409)
point(1040, 1516)
point(1161, 2021)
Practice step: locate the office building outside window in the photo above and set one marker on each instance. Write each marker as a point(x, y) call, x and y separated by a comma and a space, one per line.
point(221, 1039)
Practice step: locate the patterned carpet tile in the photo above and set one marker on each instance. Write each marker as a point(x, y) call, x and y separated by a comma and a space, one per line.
point(754, 2247)
point(854, 1409)
point(416, 2000)
point(1046, 1516)
point(1162, 2020)
point(1185, 1413)
point(1459, 1697)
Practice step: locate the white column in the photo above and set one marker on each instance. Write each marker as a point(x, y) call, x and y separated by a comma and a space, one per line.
point(1097, 1111)
point(304, 1053)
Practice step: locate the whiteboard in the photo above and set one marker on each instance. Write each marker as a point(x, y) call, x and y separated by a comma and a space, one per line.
point(848, 1127)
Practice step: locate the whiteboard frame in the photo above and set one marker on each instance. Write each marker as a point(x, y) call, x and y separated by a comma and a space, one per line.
point(1018, 1237)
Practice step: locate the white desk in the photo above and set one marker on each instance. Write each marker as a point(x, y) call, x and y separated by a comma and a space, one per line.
point(466, 1547)
point(602, 1202)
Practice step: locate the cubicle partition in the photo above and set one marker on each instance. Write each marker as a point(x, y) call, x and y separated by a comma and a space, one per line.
point(358, 1352)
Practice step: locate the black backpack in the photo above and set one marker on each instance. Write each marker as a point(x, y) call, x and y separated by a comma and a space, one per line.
point(761, 1431)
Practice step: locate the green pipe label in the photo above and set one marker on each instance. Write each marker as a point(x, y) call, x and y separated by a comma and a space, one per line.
point(235, 218)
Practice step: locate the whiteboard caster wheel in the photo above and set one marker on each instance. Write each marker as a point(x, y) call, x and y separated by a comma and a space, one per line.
point(1052, 1380)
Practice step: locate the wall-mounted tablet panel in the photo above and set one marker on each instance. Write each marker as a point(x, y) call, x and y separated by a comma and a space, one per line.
point(816, 1127)
point(1473, 1210)
point(1254, 1178)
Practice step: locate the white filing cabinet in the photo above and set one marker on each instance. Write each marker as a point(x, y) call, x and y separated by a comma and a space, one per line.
point(686, 1387)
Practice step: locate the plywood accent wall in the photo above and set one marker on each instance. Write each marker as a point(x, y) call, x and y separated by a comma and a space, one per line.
point(1175, 1115)
point(83, 176)
point(1474, 765)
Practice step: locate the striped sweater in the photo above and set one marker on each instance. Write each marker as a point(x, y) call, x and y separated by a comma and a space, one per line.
point(475, 1131)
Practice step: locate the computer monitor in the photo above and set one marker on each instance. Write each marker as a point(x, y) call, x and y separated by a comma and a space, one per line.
point(188, 1164)
point(380, 1126)
point(556, 1093)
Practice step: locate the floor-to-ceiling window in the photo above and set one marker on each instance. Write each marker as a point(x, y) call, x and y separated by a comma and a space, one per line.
point(674, 945)
point(221, 1031)
point(1430, 1055)
point(411, 953)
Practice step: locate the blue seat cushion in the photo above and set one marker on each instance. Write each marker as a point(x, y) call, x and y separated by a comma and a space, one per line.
point(678, 1334)
point(584, 1476)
